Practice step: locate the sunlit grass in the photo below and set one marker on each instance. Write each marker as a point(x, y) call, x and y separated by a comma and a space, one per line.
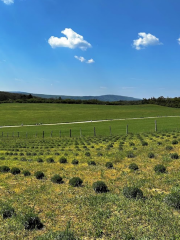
point(105, 216)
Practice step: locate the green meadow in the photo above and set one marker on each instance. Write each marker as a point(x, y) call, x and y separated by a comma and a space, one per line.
point(16, 114)
point(106, 184)
point(30, 114)
point(164, 124)
point(65, 212)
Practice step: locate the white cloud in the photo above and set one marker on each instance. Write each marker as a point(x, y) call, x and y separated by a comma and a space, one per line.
point(145, 40)
point(72, 40)
point(8, 2)
point(179, 41)
point(82, 59)
point(90, 61)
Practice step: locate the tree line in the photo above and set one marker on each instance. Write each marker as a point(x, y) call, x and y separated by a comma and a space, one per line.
point(6, 97)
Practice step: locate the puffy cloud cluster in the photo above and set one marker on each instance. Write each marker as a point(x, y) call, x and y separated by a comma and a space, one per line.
point(145, 40)
point(72, 40)
point(8, 2)
point(82, 59)
point(90, 61)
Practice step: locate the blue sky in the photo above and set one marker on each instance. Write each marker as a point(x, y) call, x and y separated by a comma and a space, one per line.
point(90, 47)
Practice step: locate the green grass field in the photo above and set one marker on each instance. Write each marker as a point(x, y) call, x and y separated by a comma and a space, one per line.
point(16, 114)
point(91, 215)
point(87, 129)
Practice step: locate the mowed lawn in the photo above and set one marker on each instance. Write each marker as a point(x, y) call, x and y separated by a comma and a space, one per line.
point(144, 125)
point(16, 113)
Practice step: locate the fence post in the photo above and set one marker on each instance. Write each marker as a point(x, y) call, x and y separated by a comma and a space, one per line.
point(2, 134)
point(43, 134)
point(26, 134)
point(18, 134)
point(94, 132)
point(13, 134)
point(80, 133)
point(155, 126)
point(70, 132)
point(127, 129)
point(51, 133)
point(110, 130)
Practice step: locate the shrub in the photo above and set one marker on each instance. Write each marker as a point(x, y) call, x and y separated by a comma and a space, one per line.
point(75, 161)
point(100, 187)
point(174, 142)
point(39, 160)
point(23, 159)
point(26, 173)
point(91, 163)
point(4, 169)
point(130, 155)
point(2, 158)
point(31, 221)
point(56, 153)
point(87, 154)
point(133, 166)
point(159, 168)
point(144, 143)
point(131, 144)
point(173, 200)
point(120, 148)
point(109, 165)
point(110, 145)
point(169, 148)
point(63, 160)
point(7, 211)
point(150, 155)
point(99, 154)
point(39, 175)
point(65, 235)
point(132, 192)
point(50, 160)
point(56, 179)
point(15, 170)
point(174, 155)
point(75, 182)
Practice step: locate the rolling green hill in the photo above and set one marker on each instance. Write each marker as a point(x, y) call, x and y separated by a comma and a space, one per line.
point(31, 113)
point(108, 98)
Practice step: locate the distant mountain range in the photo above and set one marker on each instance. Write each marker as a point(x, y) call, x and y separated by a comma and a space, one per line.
point(108, 98)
